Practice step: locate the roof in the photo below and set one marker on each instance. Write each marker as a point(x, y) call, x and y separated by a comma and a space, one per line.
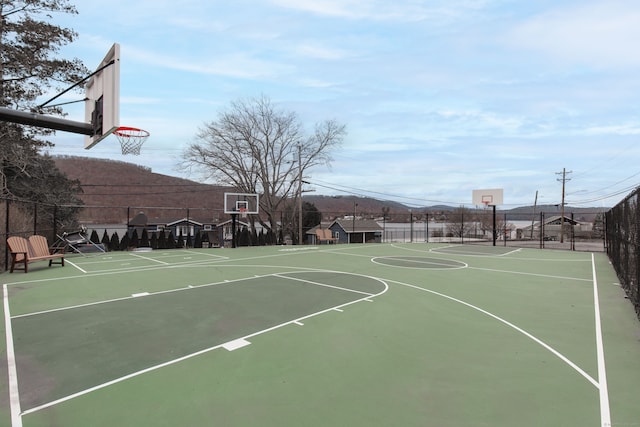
point(357, 226)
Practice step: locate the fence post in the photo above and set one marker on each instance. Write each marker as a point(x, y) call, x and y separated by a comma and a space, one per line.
point(541, 230)
point(55, 222)
point(573, 233)
point(635, 293)
point(6, 234)
point(35, 217)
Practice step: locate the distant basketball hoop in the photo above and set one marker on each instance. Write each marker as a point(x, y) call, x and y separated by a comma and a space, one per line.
point(243, 212)
point(131, 139)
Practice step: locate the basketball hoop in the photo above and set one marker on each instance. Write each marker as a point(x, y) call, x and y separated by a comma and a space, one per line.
point(243, 212)
point(131, 139)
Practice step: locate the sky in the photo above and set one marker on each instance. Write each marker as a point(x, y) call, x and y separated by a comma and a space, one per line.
point(439, 97)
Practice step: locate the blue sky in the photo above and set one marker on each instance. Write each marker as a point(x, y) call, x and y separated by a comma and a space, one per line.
point(439, 97)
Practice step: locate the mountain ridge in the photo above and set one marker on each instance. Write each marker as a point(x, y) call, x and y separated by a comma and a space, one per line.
point(112, 183)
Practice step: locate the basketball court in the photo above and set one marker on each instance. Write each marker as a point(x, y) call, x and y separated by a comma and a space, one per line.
point(355, 335)
point(376, 334)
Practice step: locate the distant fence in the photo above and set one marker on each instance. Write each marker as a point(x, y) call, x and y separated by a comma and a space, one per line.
point(582, 230)
point(114, 227)
point(623, 245)
point(122, 227)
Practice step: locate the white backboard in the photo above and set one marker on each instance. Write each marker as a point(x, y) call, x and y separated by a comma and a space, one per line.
point(488, 197)
point(245, 203)
point(102, 106)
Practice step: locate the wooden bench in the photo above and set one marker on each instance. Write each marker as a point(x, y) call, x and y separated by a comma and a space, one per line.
point(36, 248)
point(324, 235)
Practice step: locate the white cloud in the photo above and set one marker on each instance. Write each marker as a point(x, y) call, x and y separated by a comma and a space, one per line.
point(600, 34)
point(383, 10)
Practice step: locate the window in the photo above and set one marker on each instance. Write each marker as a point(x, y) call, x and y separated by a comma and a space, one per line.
point(185, 230)
point(207, 227)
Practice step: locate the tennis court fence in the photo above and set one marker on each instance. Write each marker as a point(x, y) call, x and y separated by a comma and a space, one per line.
point(125, 227)
point(623, 245)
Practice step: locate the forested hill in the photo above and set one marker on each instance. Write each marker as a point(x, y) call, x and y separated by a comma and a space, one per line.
point(117, 183)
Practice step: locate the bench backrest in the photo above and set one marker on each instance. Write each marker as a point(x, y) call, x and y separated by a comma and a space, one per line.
point(39, 246)
point(18, 245)
point(324, 234)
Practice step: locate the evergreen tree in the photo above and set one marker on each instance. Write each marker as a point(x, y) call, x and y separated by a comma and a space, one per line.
point(124, 243)
point(244, 237)
point(105, 240)
point(29, 69)
point(171, 241)
point(114, 243)
point(134, 240)
point(144, 239)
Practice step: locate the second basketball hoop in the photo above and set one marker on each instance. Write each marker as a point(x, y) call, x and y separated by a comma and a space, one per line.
point(131, 139)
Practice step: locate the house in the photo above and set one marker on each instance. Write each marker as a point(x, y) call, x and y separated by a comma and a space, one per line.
point(551, 228)
point(202, 232)
point(356, 231)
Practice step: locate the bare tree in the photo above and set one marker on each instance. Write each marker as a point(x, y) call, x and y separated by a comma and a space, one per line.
point(485, 221)
point(256, 148)
point(459, 222)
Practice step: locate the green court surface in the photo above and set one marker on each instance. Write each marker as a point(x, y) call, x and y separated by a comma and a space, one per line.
point(340, 335)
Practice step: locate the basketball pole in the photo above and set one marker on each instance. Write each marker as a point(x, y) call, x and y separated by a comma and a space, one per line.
point(494, 225)
point(233, 229)
point(43, 121)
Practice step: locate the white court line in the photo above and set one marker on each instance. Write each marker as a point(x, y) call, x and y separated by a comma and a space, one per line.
point(14, 394)
point(149, 259)
point(548, 276)
point(511, 325)
point(605, 411)
point(322, 284)
point(235, 344)
point(76, 266)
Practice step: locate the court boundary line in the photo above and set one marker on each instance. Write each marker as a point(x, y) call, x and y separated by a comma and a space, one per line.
point(605, 409)
point(12, 370)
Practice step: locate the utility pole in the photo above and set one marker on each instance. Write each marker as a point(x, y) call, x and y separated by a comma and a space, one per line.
point(564, 179)
point(299, 195)
point(533, 219)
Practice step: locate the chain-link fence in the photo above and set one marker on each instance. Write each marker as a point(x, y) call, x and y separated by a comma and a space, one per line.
point(623, 245)
point(126, 227)
point(581, 230)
